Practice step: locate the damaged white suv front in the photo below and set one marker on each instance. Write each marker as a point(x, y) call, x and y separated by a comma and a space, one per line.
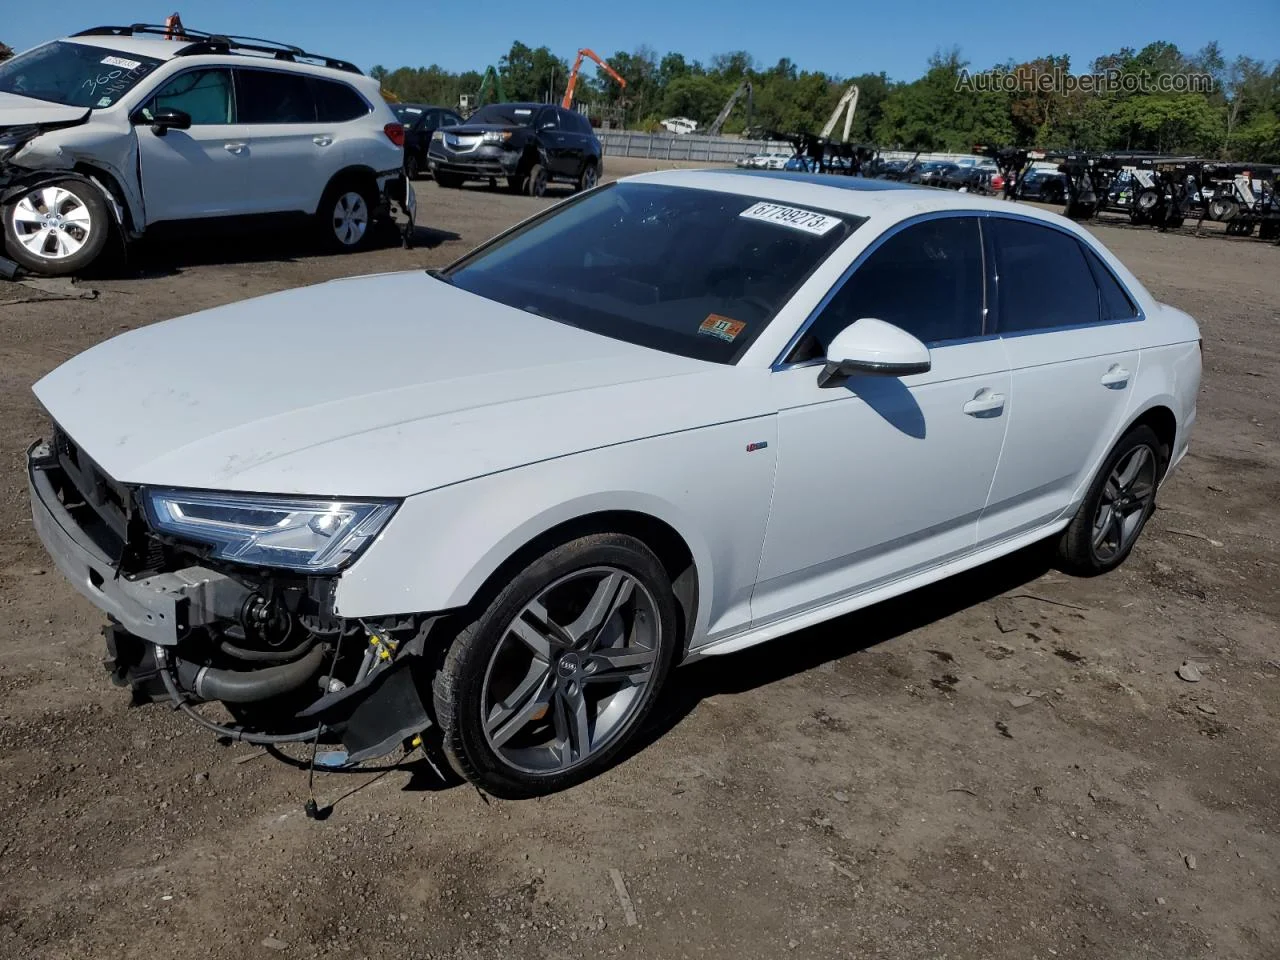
point(117, 130)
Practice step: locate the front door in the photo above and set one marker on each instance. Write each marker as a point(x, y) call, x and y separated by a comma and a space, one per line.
point(200, 172)
point(881, 477)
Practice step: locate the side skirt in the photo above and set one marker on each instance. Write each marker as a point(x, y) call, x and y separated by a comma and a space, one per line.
point(769, 631)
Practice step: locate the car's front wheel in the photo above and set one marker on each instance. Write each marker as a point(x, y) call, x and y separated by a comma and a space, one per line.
point(545, 686)
point(58, 228)
point(1117, 506)
point(589, 177)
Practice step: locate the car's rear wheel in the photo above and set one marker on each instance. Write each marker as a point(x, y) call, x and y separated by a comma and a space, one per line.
point(58, 228)
point(1117, 506)
point(346, 216)
point(412, 167)
point(589, 176)
point(535, 183)
point(545, 686)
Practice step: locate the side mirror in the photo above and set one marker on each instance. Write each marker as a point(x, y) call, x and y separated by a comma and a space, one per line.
point(871, 346)
point(162, 121)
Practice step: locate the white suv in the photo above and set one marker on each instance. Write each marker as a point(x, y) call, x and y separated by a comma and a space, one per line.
point(135, 126)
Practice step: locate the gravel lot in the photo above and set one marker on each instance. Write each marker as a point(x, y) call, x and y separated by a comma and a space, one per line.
point(1001, 766)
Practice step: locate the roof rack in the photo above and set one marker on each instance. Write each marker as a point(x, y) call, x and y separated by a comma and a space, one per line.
point(201, 42)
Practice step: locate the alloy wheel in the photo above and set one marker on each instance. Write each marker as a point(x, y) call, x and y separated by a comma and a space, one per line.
point(570, 671)
point(350, 218)
point(589, 178)
point(539, 185)
point(1125, 499)
point(52, 223)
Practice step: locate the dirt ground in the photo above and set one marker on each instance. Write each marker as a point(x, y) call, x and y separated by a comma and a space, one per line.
point(1001, 766)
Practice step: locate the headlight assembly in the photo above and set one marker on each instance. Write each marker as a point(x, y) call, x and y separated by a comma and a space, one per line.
point(294, 533)
point(496, 136)
point(13, 141)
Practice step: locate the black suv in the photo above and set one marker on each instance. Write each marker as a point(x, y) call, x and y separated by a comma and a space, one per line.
point(420, 121)
point(527, 144)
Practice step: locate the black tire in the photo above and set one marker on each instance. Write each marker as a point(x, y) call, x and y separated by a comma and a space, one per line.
point(450, 181)
point(535, 184)
point(412, 166)
point(88, 223)
point(345, 217)
point(459, 685)
point(1223, 209)
point(1077, 552)
point(589, 176)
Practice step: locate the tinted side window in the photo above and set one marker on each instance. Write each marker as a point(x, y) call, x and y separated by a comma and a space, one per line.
point(268, 96)
point(548, 120)
point(1113, 302)
point(336, 102)
point(1044, 279)
point(926, 279)
point(204, 94)
point(448, 119)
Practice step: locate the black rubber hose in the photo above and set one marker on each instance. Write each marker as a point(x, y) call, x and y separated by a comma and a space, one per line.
point(232, 733)
point(250, 686)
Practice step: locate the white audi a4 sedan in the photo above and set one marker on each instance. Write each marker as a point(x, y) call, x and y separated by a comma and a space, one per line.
point(667, 419)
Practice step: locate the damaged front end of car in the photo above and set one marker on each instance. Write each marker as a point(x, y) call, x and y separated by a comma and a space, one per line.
point(229, 598)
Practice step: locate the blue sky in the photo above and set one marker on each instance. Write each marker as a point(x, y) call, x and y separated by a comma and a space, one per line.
point(839, 36)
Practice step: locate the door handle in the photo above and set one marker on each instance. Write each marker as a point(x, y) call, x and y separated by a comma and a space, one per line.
point(322, 141)
point(984, 403)
point(234, 147)
point(1117, 377)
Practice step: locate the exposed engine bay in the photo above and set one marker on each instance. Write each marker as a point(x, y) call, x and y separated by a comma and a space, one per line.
point(186, 628)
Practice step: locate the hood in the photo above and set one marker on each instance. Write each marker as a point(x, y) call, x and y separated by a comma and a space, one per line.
point(378, 386)
point(18, 111)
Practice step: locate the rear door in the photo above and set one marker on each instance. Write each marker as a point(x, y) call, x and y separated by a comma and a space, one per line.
point(202, 171)
point(292, 154)
point(1072, 335)
point(554, 139)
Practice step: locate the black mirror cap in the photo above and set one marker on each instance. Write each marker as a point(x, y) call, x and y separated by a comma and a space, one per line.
point(162, 121)
point(833, 374)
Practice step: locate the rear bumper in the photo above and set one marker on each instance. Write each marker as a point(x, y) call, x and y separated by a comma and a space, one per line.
point(162, 608)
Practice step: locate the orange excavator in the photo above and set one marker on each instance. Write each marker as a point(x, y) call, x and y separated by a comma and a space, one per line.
point(567, 103)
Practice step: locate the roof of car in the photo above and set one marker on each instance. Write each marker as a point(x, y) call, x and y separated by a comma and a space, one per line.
point(157, 47)
point(861, 196)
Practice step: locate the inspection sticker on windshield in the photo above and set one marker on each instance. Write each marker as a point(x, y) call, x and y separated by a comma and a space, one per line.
point(722, 327)
point(806, 220)
point(122, 62)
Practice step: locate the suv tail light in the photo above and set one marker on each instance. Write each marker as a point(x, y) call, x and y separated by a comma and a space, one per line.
point(395, 133)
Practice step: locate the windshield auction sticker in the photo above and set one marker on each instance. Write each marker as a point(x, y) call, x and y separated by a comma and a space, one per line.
point(818, 224)
point(122, 62)
point(722, 327)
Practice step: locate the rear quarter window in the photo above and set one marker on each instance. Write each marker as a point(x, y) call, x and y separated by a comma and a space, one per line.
point(1113, 302)
point(337, 103)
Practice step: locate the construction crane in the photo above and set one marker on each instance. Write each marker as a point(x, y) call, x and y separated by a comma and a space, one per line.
point(468, 103)
point(744, 90)
point(850, 100)
point(567, 102)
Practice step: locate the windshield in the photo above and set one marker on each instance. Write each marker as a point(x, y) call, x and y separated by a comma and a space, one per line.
point(509, 114)
point(692, 272)
point(74, 74)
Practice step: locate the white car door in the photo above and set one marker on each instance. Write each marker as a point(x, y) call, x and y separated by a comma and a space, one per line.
point(1073, 337)
point(879, 477)
point(293, 154)
point(201, 171)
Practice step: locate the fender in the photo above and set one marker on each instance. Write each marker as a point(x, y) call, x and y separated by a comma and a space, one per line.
point(39, 178)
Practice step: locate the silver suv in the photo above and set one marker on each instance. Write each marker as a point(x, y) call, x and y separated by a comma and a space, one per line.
point(123, 128)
